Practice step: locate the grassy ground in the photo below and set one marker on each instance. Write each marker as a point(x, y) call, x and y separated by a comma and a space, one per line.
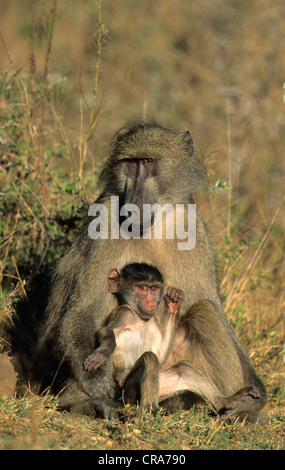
point(34, 423)
point(216, 68)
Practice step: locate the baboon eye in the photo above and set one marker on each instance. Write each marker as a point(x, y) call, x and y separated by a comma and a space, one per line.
point(154, 289)
point(150, 166)
point(137, 166)
point(142, 287)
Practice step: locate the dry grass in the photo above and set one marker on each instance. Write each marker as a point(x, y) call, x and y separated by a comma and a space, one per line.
point(215, 68)
point(33, 423)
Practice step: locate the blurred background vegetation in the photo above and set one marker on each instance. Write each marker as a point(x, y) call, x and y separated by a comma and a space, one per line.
point(192, 66)
point(72, 73)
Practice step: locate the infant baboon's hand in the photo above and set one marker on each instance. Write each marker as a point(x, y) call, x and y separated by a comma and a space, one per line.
point(173, 299)
point(94, 361)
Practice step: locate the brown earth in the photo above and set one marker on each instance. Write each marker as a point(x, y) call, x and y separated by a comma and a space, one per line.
point(7, 376)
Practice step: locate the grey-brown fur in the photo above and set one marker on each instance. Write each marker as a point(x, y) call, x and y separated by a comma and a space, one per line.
point(79, 304)
point(132, 338)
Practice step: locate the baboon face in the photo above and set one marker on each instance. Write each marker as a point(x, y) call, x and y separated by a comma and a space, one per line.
point(149, 164)
point(139, 286)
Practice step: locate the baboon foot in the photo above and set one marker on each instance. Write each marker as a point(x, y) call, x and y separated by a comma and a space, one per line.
point(97, 407)
point(244, 404)
point(152, 408)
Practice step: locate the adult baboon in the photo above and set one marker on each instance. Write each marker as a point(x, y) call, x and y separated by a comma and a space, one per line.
point(149, 164)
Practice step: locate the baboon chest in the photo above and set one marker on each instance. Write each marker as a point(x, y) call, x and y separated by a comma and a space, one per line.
point(131, 343)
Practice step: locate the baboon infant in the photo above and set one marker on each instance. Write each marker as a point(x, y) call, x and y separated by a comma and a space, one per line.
point(132, 332)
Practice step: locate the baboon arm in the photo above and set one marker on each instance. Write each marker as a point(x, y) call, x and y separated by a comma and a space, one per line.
point(106, 343)
point(168, 331)
point(173, 299)
point(105, 339)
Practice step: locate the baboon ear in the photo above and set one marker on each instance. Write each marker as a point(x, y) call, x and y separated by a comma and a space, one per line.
point(187, 138)
point(122, 132)
point(113, 280)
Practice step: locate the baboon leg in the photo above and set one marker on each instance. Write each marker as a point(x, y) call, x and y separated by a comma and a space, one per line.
point(77, 402)
point(142, 383)
point(211, 346)
point(217, 366)
point(182, 376)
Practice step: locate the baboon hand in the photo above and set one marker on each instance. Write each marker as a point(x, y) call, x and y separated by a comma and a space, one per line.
point(94, 360)
point(173, 299)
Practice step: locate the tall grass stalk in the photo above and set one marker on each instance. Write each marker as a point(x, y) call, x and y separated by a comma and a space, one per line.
point(48, 50)
point(229, 167)
point(93, 118)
